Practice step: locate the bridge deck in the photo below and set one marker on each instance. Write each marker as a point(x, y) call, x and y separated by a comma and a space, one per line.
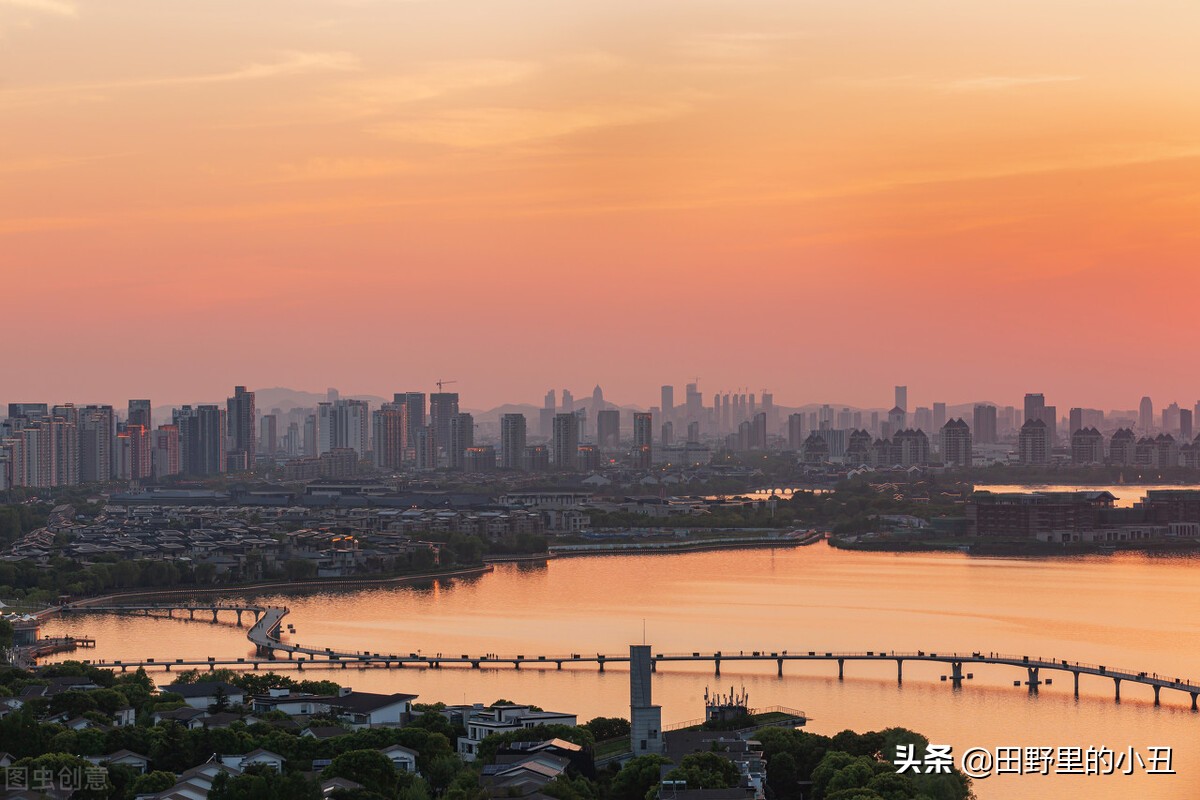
point(264, 634)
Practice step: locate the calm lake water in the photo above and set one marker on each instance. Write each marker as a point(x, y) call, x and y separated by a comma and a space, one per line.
point(1127, 610)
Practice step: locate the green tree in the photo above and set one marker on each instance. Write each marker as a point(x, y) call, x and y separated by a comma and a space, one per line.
point(371, 768)
point(152, 782)
point(608, 727)
point(705, 771)
point(636, 778)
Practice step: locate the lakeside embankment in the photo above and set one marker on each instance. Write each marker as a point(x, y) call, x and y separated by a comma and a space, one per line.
point(693, 546)
point(1009, 548)
point(264, 587)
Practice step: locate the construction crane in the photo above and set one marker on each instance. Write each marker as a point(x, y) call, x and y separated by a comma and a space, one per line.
point(441, 383)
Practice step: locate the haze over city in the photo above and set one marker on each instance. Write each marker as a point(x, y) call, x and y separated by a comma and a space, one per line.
point(822, 199)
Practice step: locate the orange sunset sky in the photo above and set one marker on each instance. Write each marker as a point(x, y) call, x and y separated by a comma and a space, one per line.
point(820, 198)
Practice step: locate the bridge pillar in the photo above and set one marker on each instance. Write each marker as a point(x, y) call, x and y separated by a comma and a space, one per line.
point(168, 667)
point(256, 665)
point(191, 613)
point(653, 665)
point(343, 665)
point(899, 670)
point(1194, 708)
point(475, 664)
point(214, 615)
point(841, 668)
point(1117, 683)
point(122, 668)
point(517, 665)
point(779, 663)
point(256, 613)
point(558, 664)
point(1076, 674)
point(170, 613)
point(291, 654)
point(1156, 689)
point(717, 665)
point(956, 674)
point(239, 613)
point(211, 666)
point(1033, 680)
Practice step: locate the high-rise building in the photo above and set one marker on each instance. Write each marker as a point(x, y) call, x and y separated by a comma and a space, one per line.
point(568, 402)
point(1035, 407)
point(479, 459)
point(1033, 448)
point(667, 402)
point(462, 437)
point(795, 432)
point(1170, 418)
point(1050, 417)
point(956, 443)
point(693, 433)
point(97, 426)
point(1122, 448)
point(201, 439)
point(133, 454)
point(512, 441)
point(897, 419)
point(668, 434)
point(312, 435)
point(29, 411)
point(443, 407)
point(140, 413)
point(536, 458)
point(426, 448)
point(1185, 424)
point(984, 429)
point(597, 399)
point(164, 454)
point(566, 441)
point(1146, 416)
point(242, 421)
point(939, 416)
point(1075, 415)
point(343, 424)
point(608, 428)
point(414, 404)
point(389, 428)
point(643, 444)
point(902, 398)
point(693, 402)
point(1087, 446)
point(268, 434)
point(758, 431)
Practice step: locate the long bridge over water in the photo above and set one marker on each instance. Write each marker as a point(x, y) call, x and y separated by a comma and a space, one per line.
point(265, 635)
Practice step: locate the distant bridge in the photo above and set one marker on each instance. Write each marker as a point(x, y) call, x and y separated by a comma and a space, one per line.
point(265, 635)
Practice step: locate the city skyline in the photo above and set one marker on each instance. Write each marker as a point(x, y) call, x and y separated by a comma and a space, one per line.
point(731, 182)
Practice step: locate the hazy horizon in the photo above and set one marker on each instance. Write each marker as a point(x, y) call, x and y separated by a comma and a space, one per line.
point(839, 197)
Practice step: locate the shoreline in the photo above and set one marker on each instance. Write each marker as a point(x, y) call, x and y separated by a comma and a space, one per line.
point(265, 587)
point(1032, 549)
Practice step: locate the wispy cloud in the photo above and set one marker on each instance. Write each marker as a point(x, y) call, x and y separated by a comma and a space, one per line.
point(979, 83)
point(386, 93)
point(288, 64)
point(333, 169)
point(735, 45)
point(495, 127)
point(992, 83)
point(59, 8)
